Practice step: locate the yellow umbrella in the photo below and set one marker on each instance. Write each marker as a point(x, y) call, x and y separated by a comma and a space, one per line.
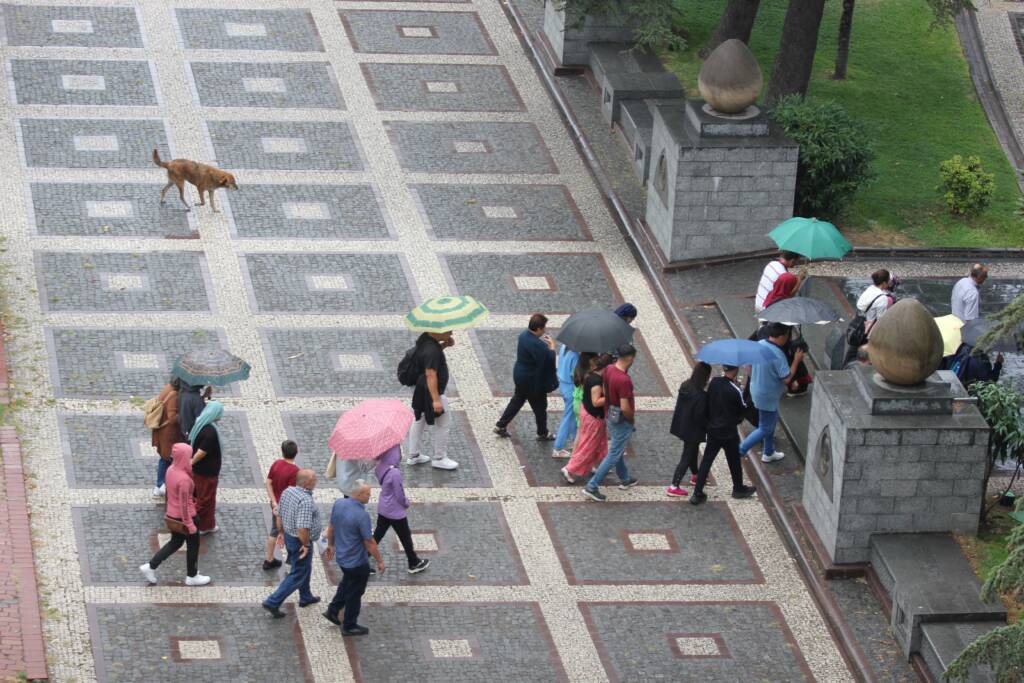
point(949, 326)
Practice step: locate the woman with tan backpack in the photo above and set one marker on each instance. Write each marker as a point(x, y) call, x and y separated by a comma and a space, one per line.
point(161, 416)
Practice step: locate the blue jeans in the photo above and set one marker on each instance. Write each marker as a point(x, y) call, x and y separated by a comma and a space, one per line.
point(298, 576)
point(620, 434)
point(766, 421)
point(161, 471)
point(566, 430)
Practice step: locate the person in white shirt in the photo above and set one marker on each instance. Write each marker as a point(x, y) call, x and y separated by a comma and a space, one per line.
point(771, 273)
point(876, 299)
point(965, 299)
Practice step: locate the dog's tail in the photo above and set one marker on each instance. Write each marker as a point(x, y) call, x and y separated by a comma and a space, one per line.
point(156, 159)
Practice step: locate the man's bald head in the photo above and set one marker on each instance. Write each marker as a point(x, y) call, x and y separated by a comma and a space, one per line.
point(361, 492)
point(979, 273)
point(305, 479)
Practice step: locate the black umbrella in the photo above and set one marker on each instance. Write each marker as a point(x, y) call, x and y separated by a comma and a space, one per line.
point(973, 330)
point(799, 310)
point(597, 330)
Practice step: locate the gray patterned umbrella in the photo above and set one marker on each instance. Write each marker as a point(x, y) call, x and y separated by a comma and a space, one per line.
point(210, 366)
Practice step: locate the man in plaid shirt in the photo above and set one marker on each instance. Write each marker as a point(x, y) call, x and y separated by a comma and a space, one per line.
point(299, 520)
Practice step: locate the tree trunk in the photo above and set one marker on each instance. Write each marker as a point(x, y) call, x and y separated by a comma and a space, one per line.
point(737, 22)
point(795, 59)
point(843, 51)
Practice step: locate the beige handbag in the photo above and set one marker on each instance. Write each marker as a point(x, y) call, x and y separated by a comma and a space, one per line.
point(332, 466)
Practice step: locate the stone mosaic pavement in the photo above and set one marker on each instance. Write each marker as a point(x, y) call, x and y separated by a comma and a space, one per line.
point(386, 152)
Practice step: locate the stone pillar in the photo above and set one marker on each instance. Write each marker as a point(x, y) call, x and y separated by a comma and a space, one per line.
point(887, 459)
point(718, 184)
point(568, 41)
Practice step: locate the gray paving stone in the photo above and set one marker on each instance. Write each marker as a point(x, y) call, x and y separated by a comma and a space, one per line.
point(135, 282)
point(112, 451)
point(442, 87)
point(105, 210)
point(311, 430)
point(501, 212)
point(246, 645)
point(716, 641)
point(497, 352)
point(115, 364)
point(426, 33)
point(113, 540)
point(337, 362)
point(474, 548)
point(92, 143)
point(309, 212)
point(649, 543)
point(81, 82)
point(297, 85)
point(65, 26)
point(285, 145)
point(485, 147)
point(573, 281)
point(288, 30)
point(489, 641)
point(329, 283)
point(652, 453)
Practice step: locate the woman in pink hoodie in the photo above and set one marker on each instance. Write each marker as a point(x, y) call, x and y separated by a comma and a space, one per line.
point(392, 505)
point(181, 506)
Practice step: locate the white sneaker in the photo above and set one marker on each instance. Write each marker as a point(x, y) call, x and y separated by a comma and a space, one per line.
point(444, 464)
point(214, 530)
point(148, 572)
point(561, 453)
point(158, 492)
point(417, 459)
point(777, 455)
point(197, 580)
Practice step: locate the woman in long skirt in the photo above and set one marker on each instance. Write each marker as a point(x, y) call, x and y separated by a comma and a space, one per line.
point(592, 438)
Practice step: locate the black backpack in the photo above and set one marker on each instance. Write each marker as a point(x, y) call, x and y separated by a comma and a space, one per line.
point(409, 368)
point(856, 331)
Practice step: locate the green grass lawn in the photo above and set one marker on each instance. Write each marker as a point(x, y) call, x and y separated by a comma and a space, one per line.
point(911, 88)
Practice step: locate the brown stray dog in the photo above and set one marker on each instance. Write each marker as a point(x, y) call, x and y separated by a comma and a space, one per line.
point(206, 178)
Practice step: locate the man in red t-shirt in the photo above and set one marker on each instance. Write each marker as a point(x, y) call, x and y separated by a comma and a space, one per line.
point(281, 476)
point(620, 415)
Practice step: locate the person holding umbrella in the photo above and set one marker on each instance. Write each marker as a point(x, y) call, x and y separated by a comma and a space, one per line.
point(768, 381)
point(198, 368)
point(772, 272)
point(725, 413)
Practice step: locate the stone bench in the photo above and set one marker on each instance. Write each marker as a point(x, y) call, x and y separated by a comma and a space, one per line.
point(629, 74)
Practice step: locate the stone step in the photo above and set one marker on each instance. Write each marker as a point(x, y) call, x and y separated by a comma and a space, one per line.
point(941, 643)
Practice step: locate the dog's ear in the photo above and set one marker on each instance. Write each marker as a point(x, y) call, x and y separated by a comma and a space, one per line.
point(228, 180)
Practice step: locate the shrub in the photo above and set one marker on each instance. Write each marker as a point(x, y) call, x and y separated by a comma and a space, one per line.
point(965, 186)
point(835, 154)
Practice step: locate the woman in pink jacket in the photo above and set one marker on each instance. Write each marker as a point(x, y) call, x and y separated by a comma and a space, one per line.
point(181, 507)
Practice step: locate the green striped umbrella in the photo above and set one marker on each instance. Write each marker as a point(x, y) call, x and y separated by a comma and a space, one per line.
point(810, 237)
point(446, 313)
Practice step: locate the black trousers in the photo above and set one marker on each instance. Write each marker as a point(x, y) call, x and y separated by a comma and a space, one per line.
point(401, 527)
point(538, 404)
point(349, 595)
point(172, 546)
point(687, 461)
point(731, 446)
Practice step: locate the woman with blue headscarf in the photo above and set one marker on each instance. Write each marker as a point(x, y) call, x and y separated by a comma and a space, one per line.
point(205, 441)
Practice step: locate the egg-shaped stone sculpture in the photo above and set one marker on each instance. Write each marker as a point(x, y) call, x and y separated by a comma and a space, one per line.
point(905, 345)
point(730, 79)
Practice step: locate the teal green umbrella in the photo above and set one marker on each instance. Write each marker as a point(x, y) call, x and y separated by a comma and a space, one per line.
point(446, 313)
point(817, 240)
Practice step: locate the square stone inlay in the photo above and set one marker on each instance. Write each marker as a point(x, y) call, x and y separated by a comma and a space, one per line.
point(71, 26)
point(344, 362)
point(237, 30)
point(328, 283)
point(470, 147)
point(145, 450)
point(534, 282)
point(283, 145)
point(442, 86)
point(264, 85)
point(451, 648)
point(109, 209)
point(425, 541)
point(198, 649)
point(306, 211)
point(651, 542)
point(698, 645)
point(82, 82)
point(119, 282)
point(418, 32)
point(499, 212)
point(142, 361)
point(96, 143)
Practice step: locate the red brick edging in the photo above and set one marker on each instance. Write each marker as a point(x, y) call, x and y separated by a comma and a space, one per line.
point(21, 633)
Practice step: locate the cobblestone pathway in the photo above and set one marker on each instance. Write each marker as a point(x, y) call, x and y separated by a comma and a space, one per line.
point(385, 152)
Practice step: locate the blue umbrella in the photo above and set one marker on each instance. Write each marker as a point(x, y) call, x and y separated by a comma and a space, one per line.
point(735, 352)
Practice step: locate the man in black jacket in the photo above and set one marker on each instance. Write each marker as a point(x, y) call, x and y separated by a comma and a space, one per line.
point(725, 412)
